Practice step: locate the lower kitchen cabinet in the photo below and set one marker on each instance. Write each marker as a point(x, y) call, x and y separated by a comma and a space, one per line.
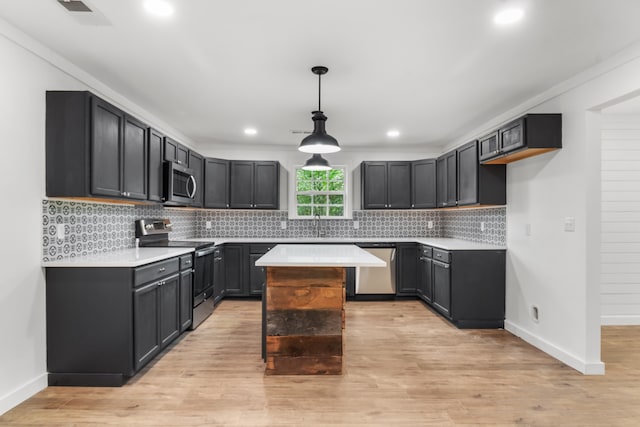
point(218, 274)
point(424, 287)
point(441, 278)
point(186, 299)
point(104, 324)
point(406, 269)
point(234, 270)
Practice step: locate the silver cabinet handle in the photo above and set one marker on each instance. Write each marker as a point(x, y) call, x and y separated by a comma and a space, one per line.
point(161, 269)
point(193, 193)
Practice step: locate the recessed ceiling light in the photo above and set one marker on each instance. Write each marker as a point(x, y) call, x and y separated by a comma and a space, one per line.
point(393, 133)
point(158, 7)
point(250, 131)
point(508, 16)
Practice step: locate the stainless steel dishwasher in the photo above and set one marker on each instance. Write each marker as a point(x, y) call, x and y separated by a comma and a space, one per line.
point(377, 280)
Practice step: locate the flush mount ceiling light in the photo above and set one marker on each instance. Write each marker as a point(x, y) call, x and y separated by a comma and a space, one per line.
point(393, 133)
point(508, 16)
point(250, 131)
point(160, 8)
point(317, 163)
point(319, 141)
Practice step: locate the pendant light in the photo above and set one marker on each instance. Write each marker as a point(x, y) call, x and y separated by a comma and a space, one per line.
point(317, 163)
point(319, 141)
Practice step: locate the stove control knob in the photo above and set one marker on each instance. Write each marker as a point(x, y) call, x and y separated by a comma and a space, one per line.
point(148, 226)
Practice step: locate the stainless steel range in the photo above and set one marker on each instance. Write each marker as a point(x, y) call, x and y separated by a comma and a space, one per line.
point(155, 233)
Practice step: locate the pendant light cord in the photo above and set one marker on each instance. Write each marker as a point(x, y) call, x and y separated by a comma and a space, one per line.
point(319, 91)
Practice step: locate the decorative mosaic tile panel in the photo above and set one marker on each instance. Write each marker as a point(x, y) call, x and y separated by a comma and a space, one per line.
point(465, 224)
point(98, 227)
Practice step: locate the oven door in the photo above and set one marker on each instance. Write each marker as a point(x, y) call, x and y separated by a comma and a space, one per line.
point(203, 275)
point(179, 184)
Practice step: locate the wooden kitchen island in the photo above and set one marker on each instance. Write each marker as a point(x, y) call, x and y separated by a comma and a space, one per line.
point(303, 306)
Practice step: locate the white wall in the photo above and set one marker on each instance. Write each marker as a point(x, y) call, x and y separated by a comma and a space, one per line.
point(620, 288)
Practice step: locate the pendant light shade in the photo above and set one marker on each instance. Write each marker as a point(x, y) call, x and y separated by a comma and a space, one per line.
point(317, 163)
point(319, 141)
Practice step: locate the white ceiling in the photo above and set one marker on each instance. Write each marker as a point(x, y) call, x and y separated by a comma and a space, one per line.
point(433, 69)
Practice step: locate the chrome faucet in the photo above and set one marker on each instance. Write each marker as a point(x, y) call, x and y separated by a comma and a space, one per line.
point(317, 224)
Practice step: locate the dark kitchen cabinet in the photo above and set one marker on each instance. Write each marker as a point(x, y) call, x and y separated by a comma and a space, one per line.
point(146, 314)
point(423, 184)
point(155, 165)
point(93, 149)
point(406, 269)
point(425, 274)
point(386, 185)
point(196, 164)
point(218, 274)
point(442, 287)
point(529, 135)
point(234, 270)
point(257, 275)
point(169, 302)
point(254, 185)
point(176, 152)
point(186, 293)
point(479, 184)
point(216, 183)
point(446, 185)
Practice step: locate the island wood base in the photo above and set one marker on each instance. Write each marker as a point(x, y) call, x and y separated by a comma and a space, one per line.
point(304, 320)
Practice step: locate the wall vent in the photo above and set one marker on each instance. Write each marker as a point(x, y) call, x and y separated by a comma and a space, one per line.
point(74, 5)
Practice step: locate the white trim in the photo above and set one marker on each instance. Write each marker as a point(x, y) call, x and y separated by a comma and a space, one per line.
point(587, 368)
point(293, 205)
point(22, 393)
point(620, 320)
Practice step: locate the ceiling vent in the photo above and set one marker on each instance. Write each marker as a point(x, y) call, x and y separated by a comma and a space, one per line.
point(74, 5)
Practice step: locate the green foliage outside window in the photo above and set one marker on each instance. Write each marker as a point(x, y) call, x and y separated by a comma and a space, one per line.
point(320, 193)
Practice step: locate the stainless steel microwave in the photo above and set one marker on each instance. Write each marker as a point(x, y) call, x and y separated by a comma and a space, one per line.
point(179, 185)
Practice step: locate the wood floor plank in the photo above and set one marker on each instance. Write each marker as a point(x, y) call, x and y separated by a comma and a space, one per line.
point(403, 366)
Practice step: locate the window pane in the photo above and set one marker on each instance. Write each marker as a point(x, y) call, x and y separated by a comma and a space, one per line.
point(304, 186)
point(320, 185)
point(302, 174)
point(336, 186)
point(336, 211)
point(304, 210)
point(304, 200)
point(336, 199)
point(336, 175)
point(319, 200)
point(320, 210)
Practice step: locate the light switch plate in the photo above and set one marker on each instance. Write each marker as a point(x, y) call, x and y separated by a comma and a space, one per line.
point(356, 225)
point(60, 231)
point(482, 226)
point(207, 225)
point(283, 225)
point(429, 224)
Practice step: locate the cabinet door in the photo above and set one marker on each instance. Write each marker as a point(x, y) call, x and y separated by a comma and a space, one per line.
point(196, 165)
point(134, 159)
point(399, 185)
point(468, 174)
point(489, 146)
point(374, 185)
point(218, 275)
point(257, 275)
point(145, 324)
point(182, 155)
point(169, 300)
point(154, 165)
point(106, 143)
point(442, 287)
point(441, 181)
point(512, 136)
point(186, 299)
point(425, 286)
point(170, 149)
point(233, 270)
point(406, 269)
point(241, 185)
point(216, 187)
point(452, 178)
point(423, 184)
point(266, 189)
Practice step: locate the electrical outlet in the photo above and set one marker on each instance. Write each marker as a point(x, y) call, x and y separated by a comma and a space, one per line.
point(60, 231)
point(356, 225)
point(283, 225)
point(429, 224)
point(569, 224)
point(482, 226)
point(207, 225)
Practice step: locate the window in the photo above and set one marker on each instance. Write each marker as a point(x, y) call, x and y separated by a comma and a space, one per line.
point(320, 192)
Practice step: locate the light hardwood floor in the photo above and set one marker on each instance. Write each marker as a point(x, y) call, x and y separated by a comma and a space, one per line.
point(404, 366)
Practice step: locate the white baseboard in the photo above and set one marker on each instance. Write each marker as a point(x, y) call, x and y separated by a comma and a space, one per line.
point(22, 393)
point(591, 368)
point(617, 320)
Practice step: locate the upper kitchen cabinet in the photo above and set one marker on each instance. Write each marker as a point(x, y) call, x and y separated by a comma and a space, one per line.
point(527, 136)
point(176, 152)
point(156, 159)
point(196, 164)
point(254, 185)
point(216, 187)
point(479, 184)
point(386, 185)
point(423, 184)
point(447, 179)
point(93, 149)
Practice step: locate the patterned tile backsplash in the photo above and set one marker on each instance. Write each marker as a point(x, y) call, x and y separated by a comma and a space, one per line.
point(96, 227)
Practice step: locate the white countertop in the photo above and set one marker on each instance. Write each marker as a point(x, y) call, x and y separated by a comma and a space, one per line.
point(438, 242)
point(319, 255)
point(123, 258)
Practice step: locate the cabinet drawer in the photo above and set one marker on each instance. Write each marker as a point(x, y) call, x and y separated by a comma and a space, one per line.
point(261, 249)
point(155, 271)
point(426, 251)
point(186, 261)
point(441, 255)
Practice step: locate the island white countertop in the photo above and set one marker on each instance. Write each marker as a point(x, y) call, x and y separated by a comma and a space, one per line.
point(123, 258)
point(438, 242)
point(319, 255)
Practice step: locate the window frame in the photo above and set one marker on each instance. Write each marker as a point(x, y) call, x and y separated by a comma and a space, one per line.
point(293, 199)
